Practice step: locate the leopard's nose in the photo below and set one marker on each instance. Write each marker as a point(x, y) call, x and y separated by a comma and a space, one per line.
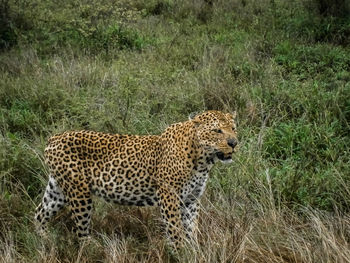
point(232, 143)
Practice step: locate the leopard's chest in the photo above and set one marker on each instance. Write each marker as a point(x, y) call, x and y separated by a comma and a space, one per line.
point(195, 187)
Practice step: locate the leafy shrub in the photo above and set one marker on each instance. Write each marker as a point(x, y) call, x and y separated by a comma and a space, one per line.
point(335, 8)
point(317, 21)
point(115, 37)
point(8, 36)
point(299, 141)
point(304, 156)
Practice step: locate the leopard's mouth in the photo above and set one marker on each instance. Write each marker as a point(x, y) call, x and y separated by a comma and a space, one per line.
point(224, 157)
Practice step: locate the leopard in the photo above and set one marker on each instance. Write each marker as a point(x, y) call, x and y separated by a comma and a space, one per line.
point(169, 170)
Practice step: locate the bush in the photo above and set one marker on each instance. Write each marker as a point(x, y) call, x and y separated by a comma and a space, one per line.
point(96, 27)
point(8, 37)
point(317, 21)
point(304, 157)
point(335, 8)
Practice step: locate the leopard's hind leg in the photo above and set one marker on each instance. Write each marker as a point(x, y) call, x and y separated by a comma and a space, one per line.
point(52, 202)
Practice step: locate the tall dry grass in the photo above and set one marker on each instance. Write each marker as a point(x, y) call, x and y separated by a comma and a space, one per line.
point(235, 227)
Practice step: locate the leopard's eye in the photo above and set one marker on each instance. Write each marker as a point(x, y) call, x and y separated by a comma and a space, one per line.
point(217, 130)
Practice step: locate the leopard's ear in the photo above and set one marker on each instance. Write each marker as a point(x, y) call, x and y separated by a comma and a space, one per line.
point(192, 115)
point(234, 114)
point(194, 118)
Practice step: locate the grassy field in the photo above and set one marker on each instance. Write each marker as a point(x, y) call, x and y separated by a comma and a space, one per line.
point(136, 67)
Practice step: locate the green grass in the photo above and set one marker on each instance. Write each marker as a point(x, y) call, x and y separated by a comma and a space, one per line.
point(136, 68)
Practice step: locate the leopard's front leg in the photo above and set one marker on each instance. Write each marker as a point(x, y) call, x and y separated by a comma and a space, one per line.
point(189, 216)
point(170, 208)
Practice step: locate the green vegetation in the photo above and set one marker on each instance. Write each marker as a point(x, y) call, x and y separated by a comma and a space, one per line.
point(138, 66)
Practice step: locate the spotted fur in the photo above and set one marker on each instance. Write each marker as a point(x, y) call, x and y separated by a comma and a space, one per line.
point(169, 170)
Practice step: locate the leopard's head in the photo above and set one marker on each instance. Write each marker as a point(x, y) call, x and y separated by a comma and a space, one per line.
point(216, 133)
